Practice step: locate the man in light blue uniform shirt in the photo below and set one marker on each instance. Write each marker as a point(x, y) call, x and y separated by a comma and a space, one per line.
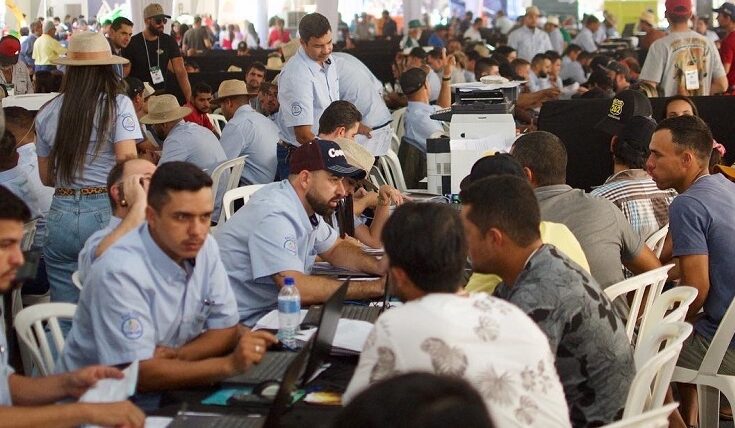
point(280, 231)
point(33, 401)
point(185, 141)
point(247, 133)
point(419, 126)
point(127, 185)
point(169, 305)
point(307, 85)
point(358, 85)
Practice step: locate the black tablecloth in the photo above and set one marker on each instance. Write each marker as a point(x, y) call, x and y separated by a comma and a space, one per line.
point(335, 378)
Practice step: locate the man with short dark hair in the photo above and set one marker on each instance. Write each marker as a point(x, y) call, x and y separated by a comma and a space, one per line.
point(279, 232)
point(197, 39)
point(308, 84)
point(619, 74)
point(571, 66)
point(586, 37)
point(444, 333)
point(152, 53)
point(593, 355)
point(169, 305)
point(604, 233)
point(684, 62)
point(248, 133)
point(33, 401)
point(539, 76)
point(268, 100)
point(201, 105)
point(26, 48)
point(702, 230)
point(121, 30)
point(255, 76)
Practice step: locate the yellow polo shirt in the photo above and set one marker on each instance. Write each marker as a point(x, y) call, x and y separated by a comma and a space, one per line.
point(555, 234)
point(47, 49)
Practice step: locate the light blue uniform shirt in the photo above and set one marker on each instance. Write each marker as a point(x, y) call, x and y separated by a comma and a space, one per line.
point(6, 399)
point(272, 233)
point(86, 256)
point(127, 309)
point(305, 89)
point(252, 134)
point(25, 183)
point(419, 126)
point(358, 85)
point(96, 168)
point(196, 144)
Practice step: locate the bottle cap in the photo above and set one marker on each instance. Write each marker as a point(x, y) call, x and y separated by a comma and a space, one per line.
point(289, 281)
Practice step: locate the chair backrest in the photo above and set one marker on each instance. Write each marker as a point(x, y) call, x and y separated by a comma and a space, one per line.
point(399, 124)
point(376, 177)
point(34, 345)
point(649, 284)
point(76, 280)
point(29, 233)
point(670, 306)
point(234, 169)
point(656, 418)
point(218, 122)
point(392, 171)
point(244, 193)
point(656, 241)
point(655, 366)
point(720, 343)
point(395, 142)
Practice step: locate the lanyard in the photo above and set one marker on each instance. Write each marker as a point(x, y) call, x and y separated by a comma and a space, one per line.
point(148, 55)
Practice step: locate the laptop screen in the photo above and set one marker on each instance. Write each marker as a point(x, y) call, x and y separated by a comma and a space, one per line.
point(328, 321)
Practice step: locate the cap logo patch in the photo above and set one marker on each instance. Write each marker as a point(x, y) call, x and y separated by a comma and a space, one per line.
point(616, 108)
point(333, 153)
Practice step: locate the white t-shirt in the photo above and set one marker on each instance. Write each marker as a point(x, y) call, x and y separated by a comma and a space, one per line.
point(487, 341)
point(668, 56)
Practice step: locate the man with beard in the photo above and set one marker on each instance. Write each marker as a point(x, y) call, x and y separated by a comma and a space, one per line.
point(267, 104)
point(280, 231)
point(153, 54)
point(121, 30)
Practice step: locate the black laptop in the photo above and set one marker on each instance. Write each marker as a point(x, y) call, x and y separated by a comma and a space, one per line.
point(280, 404)
point(352, 312)
point(273, 365)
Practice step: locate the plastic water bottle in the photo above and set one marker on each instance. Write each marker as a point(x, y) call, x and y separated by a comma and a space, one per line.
point(289, 313)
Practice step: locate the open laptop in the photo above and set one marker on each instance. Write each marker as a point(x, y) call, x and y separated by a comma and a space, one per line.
point(352, 312)
point(274, 364)
point(628, 30)
point(280, 404)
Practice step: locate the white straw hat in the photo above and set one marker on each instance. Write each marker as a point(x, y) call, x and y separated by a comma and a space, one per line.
point(356, 154)
point(232, 88)
point(164, 108)
point(89, 48)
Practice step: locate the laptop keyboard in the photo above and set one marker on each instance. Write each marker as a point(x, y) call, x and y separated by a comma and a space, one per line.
point(361, 313)
point(273, 367)
point(182, 421)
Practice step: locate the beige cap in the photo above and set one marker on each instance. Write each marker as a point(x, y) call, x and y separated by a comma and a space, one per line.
point(533, 10)
point(356, 154)
point(289, 49)
point(274, 63)
point(648, 17)
point(148, 90)
point(164, 108)
point(154, 10)
point(553, 20)
point(89, 48)
point(232, 88)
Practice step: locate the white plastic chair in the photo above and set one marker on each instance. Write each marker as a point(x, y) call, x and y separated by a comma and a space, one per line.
point(392, 171)
point(671, 306)
point(34, 346)
point(76, 280)
point(709, 382)
point(233, 168)
point(656, 241)
point(29, 234)
point(654, 367)
point(218, 122)
point(399, 124)
point(651, 282)
point(657, 418)
point(244, 193)
point(395, 142)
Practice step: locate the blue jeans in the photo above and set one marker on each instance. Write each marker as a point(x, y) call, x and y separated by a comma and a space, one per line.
point(70, 221)
point(282, 168)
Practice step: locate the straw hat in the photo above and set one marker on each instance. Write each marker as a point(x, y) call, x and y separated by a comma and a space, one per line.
point(356, 154)
point(274, 63)
point(232, 88)
point(233, 69)
point(89, 48)
point(289, 49)
point(648, 17)
point(163, 109)
point(553, 20)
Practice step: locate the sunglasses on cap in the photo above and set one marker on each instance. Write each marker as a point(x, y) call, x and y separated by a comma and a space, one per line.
point(160, 20)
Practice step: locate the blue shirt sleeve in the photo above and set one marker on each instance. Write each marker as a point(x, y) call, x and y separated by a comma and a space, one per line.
point(296, 97)
point(274, 247)
point(326, 236)
point(224, 312)
point(127, 126)
point(688, 223)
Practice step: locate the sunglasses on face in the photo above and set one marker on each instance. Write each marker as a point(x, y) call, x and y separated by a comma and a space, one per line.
point(160, 20)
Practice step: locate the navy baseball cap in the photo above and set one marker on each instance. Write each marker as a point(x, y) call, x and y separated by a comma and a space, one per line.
point(726, 9)
point(626, 105)
point(324, 155)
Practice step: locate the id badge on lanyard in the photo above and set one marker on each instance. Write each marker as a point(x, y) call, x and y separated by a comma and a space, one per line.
point(156, 75)
point(691, 77)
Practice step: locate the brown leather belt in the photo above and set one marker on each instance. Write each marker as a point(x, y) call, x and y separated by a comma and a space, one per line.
point(63, 191)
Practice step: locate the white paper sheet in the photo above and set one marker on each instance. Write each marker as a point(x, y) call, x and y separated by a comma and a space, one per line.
point(111, 390)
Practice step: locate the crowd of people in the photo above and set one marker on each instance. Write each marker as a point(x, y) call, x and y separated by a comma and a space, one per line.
point(123, 198)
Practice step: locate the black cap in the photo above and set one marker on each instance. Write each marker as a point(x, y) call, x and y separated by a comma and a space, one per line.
point(242, 46)
point(637, 132)
point(411, 80)
point(626, 105)
point(135, 86)
point(618, 68)
point(726, 9)
point(418, 53)
point(323, 155)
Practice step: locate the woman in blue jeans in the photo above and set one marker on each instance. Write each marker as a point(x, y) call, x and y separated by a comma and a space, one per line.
point(81, 134)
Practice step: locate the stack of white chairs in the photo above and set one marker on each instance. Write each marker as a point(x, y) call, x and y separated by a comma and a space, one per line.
point(31, 324)
point(232, 171)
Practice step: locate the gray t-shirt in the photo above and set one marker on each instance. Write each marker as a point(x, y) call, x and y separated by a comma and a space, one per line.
point(195, 37)
point(600, 227)
point(701, 224)
point(593, 356)
point(668, 57)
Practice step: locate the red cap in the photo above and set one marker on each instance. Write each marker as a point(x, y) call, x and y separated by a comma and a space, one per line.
point(9, 46)
point(679, 7)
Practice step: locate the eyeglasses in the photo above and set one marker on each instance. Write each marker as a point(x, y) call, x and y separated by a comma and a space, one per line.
point(161, 20)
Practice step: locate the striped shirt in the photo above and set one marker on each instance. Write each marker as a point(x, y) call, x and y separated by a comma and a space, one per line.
point(635, 193)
